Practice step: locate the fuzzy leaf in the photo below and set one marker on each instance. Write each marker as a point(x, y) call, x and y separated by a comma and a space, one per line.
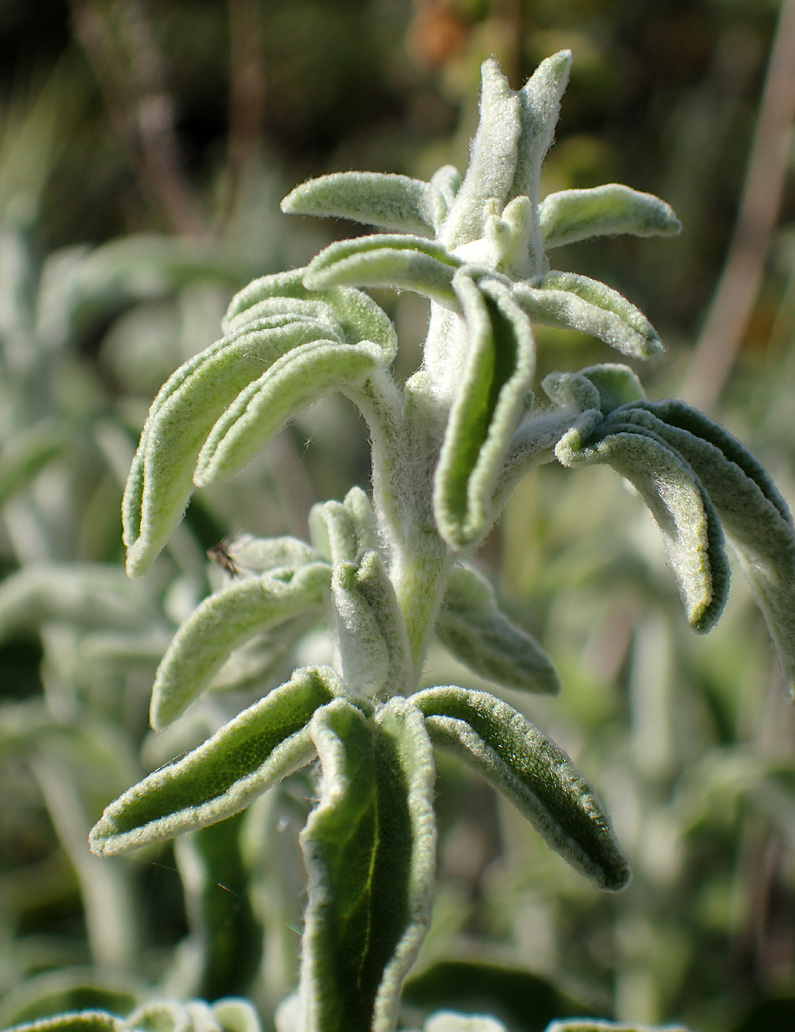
point(161, 478)
point(595, 1025)
point(582, 304)
point(539, 107)
point(74, 1021)
point(357, 315)
point(391, 202)
point(252, 555)
point(262, 745)
point(492, 161)
point(751, 510)
point(681, 508)
point(604, 211)
point(382, 260)
point(369, 848)
point(490, 401)
point(223, 622)
point(295, 380)
point(474, 630)
point(343, 531)
point(371, 630)
point(532, 772)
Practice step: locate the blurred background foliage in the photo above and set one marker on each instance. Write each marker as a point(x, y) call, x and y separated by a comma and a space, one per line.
point(144, 147)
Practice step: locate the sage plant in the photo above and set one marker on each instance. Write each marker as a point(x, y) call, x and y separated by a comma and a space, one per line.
point(390, 571)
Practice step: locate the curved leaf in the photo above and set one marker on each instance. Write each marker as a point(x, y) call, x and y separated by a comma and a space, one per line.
point(370, 848)
point(752, 511)
point(296, 379)
point(381, 260)
point(223, 622)
point(473, 629)
point(607, 210)
point(587, 306)
point(679, 504)
point(490, 401)
point(492, 161)
point(532, 772)
point(262, 745)
point(161, 478)
point(391, 202)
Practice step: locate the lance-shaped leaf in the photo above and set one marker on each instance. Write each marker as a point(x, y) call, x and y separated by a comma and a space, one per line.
point(369, 848)
point(262, 745)
point(490, 401)
point(161, 478)
point(357, 315)
point(253, 555)
point(539, 106)
point(391, 202)
point(608, 210)
point(477, 633)
point(74, 1021)
point(343, 531)
point(383, 260)
point(371, 630)
point(223, 622)
point(492, 160)
point(532, 772)
point(679, 504)
point(752, 511)
point(295, 380)
point(568, 300)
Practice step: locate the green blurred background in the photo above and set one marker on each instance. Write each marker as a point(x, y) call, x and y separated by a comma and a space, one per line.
point(144, 148)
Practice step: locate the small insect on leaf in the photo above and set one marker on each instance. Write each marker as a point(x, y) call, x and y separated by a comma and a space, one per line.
point(219, 554)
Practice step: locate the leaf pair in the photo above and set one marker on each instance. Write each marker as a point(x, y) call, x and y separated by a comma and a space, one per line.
point(696, 478)
point(281, 352)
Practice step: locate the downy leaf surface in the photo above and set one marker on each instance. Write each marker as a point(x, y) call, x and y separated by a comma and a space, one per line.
point(532, 772)
point(488, 405)
point(255, 750)
point(223, 622)
point(472, 627)
point(370, 849)
point(573, 215)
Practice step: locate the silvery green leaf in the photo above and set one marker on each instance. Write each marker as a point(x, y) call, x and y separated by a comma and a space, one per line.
point(262, 745)
point(607, 210)
point(539, 107)
point(342, 531)
point(357, 315)
point(81, 594)
point(370, 853)
point(383, 260)
point(571, 391)
point(295, 380)
point(73, 1021)
point(391, 202)
point(492, 161)
point(447, 182)
point(225, 1015)
point(161, 478)
point(568, 300)
point(371, 630)
point(223, 622)
point(472, 627)
point(595, 1025)
point(364, 657)
point(532, 772)
point(488, 405)
point(452, 1021)
point(617, 385)
point(253, 555)
point(261, 662)
point(679, 504)
point(751, 510)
